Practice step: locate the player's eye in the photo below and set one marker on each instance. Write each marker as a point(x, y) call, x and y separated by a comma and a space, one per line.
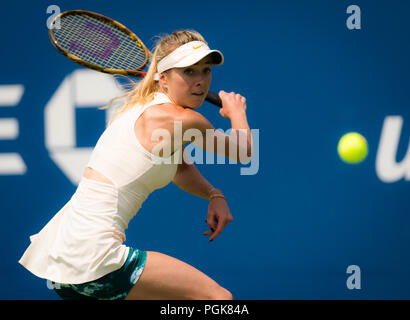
point(188, 71)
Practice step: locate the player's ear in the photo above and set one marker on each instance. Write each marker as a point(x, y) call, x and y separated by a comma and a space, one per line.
point(163, 81)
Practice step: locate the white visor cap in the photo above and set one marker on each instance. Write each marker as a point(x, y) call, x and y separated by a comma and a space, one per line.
point(187, 55)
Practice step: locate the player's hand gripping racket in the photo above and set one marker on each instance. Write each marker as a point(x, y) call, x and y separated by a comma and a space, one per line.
point(103, 44)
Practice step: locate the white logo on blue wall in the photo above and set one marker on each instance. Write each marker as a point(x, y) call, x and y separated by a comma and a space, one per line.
point(387, 168)
point(11, 162)
point(80, 89)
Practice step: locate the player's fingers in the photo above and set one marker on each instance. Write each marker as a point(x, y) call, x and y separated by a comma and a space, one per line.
point(222, 94)
point(218, 231)
point(211, 223)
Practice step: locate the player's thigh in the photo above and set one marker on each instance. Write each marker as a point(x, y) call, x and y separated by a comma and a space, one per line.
point(165, 277)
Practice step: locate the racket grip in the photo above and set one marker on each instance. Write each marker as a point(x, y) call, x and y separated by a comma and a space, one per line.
point(213, 98)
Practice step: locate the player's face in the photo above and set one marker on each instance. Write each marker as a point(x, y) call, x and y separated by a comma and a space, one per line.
point(189, 86)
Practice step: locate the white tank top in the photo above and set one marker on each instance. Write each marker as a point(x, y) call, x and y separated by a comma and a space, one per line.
point(84, 240)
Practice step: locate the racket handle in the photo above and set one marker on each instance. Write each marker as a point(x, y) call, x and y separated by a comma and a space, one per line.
point(213, 98)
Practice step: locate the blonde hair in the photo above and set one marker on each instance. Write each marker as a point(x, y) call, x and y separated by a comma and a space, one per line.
point(144, 90)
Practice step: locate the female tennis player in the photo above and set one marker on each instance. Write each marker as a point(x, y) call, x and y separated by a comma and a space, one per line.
point(81, 250)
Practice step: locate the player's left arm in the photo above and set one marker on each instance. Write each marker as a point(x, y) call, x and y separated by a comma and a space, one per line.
point(189, 179)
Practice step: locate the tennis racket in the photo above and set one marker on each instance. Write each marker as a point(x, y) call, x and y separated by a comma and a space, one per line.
point(102, 44)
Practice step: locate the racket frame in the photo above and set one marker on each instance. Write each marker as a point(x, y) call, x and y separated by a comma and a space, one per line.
point(134, 72)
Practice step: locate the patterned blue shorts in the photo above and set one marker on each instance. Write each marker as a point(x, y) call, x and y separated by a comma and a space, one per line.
point(113, 286)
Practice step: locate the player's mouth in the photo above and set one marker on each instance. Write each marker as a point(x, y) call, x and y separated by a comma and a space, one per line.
point(198, 94)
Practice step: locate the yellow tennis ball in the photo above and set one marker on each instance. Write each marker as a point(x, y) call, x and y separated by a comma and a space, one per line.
point(352, 148)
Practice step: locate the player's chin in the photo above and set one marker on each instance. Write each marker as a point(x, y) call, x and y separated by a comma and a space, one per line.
point(196, 100)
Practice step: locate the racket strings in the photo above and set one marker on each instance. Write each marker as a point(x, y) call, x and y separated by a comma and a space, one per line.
point(116, 60)
point(100, 43)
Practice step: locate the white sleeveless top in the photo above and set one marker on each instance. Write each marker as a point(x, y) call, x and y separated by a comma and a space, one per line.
point(84, 240)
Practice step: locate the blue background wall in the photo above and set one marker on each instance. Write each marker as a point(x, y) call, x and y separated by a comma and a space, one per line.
point(305, 216)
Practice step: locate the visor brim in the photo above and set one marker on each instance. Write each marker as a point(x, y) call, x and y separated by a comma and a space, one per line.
point(217, 58)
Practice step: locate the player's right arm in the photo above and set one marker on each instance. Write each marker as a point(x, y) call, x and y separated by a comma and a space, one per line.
point(240, 138)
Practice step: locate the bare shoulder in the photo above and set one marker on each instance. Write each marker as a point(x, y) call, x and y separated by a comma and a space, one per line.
point(165, 115)
point(157, 116)
point(192, 119)
point(158, 111)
